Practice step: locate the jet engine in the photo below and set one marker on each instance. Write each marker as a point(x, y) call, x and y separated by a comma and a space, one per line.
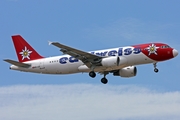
point(129, 71)
point(113, 61)
point(110, 61)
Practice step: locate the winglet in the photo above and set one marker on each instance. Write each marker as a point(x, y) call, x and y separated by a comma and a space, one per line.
point(49, 42)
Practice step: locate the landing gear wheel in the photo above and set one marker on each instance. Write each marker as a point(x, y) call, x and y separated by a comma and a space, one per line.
point(92, 74)
point(104, 80)
point(156, 70)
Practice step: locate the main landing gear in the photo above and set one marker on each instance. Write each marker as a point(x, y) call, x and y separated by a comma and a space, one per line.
point(92, 74)
point(155, 69)
point(103, 80)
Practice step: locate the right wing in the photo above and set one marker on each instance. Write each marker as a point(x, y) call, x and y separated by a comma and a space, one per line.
point(87, 58)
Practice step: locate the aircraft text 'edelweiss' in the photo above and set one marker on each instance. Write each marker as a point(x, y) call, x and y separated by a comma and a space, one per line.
point(119, 61)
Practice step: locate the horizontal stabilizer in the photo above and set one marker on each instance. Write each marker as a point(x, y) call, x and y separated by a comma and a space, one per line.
point(16, 63)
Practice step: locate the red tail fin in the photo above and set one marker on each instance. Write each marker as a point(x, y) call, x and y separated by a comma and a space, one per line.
point(23, 50)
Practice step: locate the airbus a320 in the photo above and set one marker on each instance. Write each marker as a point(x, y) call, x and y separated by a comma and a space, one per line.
point(121, 61)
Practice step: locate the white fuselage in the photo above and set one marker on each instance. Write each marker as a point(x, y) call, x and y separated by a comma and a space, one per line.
point(66, 64)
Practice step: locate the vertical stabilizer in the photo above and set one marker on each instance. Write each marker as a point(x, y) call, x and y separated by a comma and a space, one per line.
point(23, 50)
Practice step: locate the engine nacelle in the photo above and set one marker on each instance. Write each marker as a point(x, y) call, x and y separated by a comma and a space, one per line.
point(114, 61)
point(129, 71)
point(110, 61)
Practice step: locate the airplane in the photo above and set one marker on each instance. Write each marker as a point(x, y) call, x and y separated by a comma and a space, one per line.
point(121, 61)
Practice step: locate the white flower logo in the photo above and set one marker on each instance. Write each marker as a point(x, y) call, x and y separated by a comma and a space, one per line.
point(152, 49)
point(25, 53)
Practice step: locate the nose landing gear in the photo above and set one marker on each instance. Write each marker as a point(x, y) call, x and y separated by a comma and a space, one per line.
point(155, 69)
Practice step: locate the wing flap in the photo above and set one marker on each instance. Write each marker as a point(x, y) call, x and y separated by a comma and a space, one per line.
point(16, 63)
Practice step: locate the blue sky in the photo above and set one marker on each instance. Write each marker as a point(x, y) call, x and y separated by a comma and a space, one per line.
point(90, 25)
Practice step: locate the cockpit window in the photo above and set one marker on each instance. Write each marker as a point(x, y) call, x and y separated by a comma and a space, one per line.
point(165, 46)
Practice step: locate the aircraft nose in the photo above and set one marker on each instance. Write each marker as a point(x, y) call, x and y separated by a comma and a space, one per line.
point(175, 52)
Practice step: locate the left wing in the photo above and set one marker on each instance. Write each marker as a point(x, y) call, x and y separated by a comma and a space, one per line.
point(87, 58)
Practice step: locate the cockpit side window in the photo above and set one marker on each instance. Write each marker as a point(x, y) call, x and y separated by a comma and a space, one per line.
point(165, 46)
